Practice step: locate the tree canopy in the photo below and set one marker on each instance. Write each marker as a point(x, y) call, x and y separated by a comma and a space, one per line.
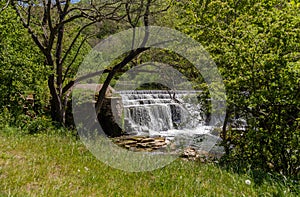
point(256, 47)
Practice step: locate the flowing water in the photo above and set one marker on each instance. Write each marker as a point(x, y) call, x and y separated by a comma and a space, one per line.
point(163, 113)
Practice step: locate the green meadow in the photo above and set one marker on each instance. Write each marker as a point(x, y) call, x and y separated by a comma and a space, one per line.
point(60, 165)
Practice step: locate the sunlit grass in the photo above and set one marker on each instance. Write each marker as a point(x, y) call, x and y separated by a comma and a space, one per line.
point(57, 165)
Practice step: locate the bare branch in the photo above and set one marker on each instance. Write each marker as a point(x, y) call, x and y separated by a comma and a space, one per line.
point(111, 74)
point(90, 75)
point(5, 6)
point(75, 56)
point(75, 39)
point(127, 7)
point(146, 23)
point(147, 13)
point(49, 15)
point(69, 20)
point(161, 11)
point(67, 5)
point(30, 30)
point(29, 13)
point(58, 4)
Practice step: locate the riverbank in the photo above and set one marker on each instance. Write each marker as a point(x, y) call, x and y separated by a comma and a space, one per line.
point(58, 165)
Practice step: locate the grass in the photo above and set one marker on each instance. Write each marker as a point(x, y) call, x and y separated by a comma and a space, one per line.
point(57, 165)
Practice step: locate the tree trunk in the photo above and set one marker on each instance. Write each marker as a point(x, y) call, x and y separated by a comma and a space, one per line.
point(224, 135)
point(57, 112)
point(57, 106)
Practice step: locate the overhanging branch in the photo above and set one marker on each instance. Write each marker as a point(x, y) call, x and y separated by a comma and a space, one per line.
point(5, 6)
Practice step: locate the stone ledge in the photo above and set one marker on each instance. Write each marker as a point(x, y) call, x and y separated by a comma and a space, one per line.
point(151, 144)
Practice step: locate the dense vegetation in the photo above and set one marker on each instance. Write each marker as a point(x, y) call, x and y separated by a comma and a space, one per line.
point(256, 47)
point(22, 74)
point(255, 44)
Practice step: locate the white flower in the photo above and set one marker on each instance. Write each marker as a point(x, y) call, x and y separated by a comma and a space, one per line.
point(248, 182)
point(86, 168)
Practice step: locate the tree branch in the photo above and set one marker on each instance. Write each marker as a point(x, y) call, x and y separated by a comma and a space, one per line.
point(75, 56)
point(111, 74)
point(5, 6)
point(74, 40)
point(90, 75)
point(30, 30)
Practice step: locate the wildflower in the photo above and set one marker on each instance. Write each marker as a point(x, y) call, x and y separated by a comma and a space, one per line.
point(248, 182)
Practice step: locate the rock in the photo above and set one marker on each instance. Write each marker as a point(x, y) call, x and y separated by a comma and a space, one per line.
point(140, 143)
point(137, 138)
point(143, 145)
point(203, 153)
point(127, 146)
point(128, 142)
point(189, 152)
point(196, 155)
point(159, 143)
point(160, 139)
point(148, 140)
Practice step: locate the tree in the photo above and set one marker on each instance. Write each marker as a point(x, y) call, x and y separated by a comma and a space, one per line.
point(48, 22)
point(256, 47)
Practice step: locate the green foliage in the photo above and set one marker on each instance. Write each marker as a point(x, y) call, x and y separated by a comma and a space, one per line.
point(256, 47)
point(23, 73)
point(21, 70)
point(25, 124)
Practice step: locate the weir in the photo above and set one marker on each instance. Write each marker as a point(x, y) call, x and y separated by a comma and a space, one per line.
point(162, 113)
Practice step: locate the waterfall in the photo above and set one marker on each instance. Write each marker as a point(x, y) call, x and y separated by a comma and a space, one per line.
point(161, 112)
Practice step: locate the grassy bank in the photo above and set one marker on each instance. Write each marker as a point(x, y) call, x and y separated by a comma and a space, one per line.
point(57, 165)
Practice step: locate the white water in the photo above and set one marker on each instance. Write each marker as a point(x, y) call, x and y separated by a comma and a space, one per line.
point(160, 113)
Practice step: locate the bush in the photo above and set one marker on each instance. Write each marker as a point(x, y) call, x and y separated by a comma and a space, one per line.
point(256, 47)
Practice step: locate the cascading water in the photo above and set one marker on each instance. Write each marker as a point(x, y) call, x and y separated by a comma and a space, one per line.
point(161, 112)
point(178, 117)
